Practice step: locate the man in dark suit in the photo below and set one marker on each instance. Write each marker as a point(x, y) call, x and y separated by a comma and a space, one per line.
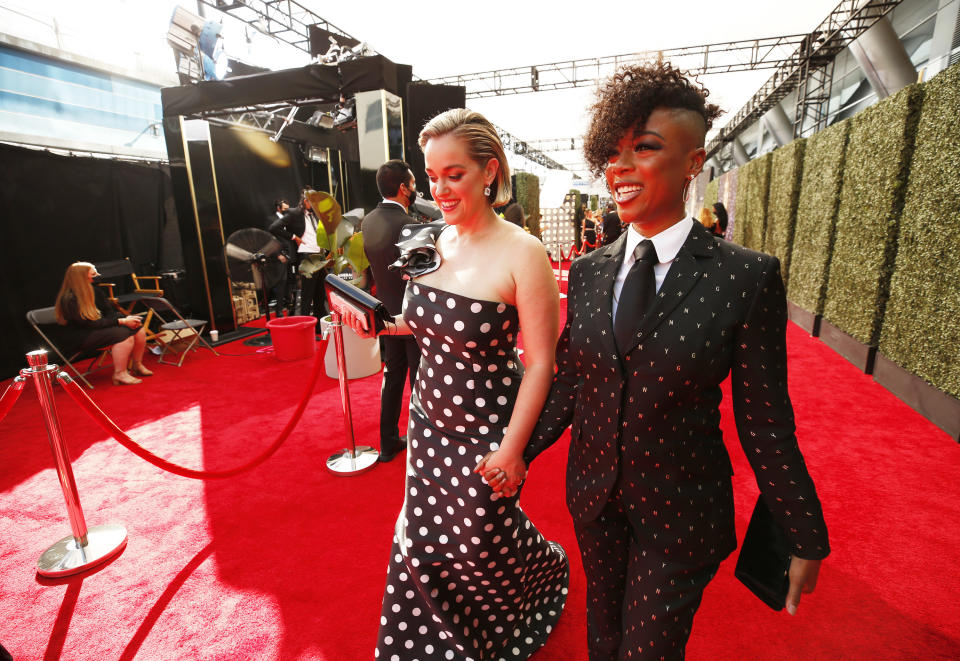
point(612, 229)
point(299, 225)
point(381, 231)
point(655, 322)
point(280, 291)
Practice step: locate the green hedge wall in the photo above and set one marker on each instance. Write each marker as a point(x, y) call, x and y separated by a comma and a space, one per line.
point(528, 197)
point(754, 221)
point(743, 179)
point(712, 193)
point(921, 327)
point(786, 168)
point(817, 216)
point(871, 201)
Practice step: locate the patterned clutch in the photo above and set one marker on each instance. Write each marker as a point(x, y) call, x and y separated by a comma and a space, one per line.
point(346, 297)
point(764, 560)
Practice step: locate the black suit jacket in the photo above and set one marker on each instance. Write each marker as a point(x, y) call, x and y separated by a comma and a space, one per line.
point(289, 225)
point(272, 223)
point(647, 422)
point(611, 228)
point(381, 231)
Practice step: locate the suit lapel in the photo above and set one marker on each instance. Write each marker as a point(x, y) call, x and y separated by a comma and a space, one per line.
point(608, 261)
point(685, 271)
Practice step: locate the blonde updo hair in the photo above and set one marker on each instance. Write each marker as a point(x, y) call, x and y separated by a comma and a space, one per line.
point(482, 142)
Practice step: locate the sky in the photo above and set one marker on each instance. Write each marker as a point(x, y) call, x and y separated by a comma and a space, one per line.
point(441, 39)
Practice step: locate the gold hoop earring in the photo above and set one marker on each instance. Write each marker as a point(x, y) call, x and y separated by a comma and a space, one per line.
point(686, 188)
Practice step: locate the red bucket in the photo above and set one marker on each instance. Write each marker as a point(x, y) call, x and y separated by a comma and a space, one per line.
point(294, 338)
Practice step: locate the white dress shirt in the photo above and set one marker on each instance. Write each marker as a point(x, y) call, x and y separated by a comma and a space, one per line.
point(309, 239)
point(667, 244)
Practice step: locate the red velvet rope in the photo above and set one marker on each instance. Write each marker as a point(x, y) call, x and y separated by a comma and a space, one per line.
point(83, 399)
point(11, 395)
point(570, 253)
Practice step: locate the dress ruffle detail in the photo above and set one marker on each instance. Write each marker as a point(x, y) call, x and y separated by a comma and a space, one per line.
point(418, 250)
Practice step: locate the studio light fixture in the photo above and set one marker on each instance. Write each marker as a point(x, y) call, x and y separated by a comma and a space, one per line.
point(198, 46)
point(322, 119)
point(316, 154)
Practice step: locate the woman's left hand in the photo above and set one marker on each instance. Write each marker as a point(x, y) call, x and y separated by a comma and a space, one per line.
point(503, 472)
point(803, 578)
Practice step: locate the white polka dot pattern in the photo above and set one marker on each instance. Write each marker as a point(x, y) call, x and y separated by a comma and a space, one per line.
point(470, 577)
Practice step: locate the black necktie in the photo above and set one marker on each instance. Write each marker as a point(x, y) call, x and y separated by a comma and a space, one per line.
point(639, 288)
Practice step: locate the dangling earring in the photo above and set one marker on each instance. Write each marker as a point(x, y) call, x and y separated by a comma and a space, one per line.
point(686, 188)
point(486, 192)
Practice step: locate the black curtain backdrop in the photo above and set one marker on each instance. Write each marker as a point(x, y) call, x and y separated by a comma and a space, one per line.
point(57, 210)
point(248, 184)
point(424, 102)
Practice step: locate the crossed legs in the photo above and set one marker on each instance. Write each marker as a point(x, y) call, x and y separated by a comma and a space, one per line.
point(122, 352)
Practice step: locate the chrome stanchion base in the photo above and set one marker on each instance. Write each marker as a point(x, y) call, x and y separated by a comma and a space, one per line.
point(65, 557)
point(346, 462)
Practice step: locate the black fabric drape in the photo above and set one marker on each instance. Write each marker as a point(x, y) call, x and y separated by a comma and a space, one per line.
point(60, 209)
point(248, 184)
point(322, 82)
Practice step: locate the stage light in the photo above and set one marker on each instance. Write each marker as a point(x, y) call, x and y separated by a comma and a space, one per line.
point(346, 116)
point(210, 43)
point(322, 119)
point(184, 31)
point(317, 154)
point(198, 46)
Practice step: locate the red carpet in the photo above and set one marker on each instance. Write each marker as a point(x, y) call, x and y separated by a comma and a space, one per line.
point(288, 561)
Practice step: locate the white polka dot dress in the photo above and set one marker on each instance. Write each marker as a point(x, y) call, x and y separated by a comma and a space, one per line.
point(469, 577)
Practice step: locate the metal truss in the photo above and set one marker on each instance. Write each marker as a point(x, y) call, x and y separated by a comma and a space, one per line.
point(556, 144)
point(513, 144)
point(810, 70)
point(722, 57)
point(286, 20)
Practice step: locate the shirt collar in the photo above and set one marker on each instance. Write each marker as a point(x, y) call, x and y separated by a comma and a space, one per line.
point(667, 243)
point(386, 201)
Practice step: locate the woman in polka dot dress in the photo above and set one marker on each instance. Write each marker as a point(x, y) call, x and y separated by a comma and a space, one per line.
point(470, 577)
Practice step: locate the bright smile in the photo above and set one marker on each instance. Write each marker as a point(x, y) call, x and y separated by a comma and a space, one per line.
point(448, 205)
point(623, 193)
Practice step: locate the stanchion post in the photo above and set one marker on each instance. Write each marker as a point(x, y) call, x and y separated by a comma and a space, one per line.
point(86, 547)
point(560, 269)
point(352, 460)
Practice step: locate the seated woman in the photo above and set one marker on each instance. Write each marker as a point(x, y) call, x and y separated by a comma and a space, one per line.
point(94, 324)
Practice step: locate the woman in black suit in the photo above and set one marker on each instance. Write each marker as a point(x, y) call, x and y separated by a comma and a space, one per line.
point(656, 321)
point(91, 323)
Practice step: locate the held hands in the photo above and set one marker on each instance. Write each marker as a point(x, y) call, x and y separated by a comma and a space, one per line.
point(803, 578)
point(131, 321)
point(504, 473)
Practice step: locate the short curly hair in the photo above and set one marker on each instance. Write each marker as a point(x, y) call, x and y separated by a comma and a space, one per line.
point(629, 97)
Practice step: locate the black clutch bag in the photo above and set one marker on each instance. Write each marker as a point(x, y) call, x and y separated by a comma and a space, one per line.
point(764, 560)
point(345, 297)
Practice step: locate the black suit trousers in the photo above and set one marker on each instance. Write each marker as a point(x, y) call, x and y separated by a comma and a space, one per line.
point(401, 356)
point(311, 295)
point(640, 604)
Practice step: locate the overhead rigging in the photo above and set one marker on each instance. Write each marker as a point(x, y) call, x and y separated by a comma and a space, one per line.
point(802, 62)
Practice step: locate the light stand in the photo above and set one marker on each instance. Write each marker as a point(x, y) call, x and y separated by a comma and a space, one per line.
point(261, 340)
